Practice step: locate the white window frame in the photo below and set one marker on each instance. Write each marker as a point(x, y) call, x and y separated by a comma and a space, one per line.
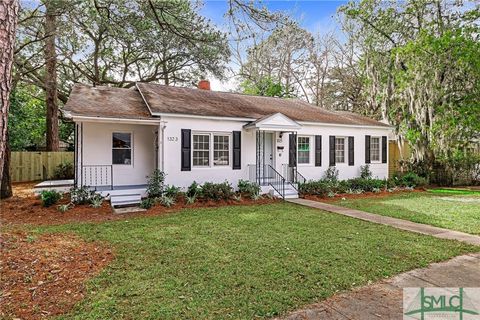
point(309, 150)
point(211, 150)
point(202, 150)
point(131, 148)
point(379, 149)
point(344, 150)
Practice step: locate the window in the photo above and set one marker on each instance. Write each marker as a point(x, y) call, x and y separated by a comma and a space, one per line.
point(375, 148)
point(339, 150)
point(221, 154)
point(121, 148)
point(201, 150)
point(303, 147)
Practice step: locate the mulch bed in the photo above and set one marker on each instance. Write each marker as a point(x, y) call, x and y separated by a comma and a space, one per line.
point(347, 196)
point(26, 208)
point(43, 276)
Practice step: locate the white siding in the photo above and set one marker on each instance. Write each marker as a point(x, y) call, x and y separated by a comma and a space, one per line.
point(97, 142)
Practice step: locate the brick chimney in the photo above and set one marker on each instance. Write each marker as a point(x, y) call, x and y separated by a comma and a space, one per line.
point(204, 85)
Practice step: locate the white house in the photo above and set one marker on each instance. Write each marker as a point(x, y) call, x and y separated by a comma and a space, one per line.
point(122, 135)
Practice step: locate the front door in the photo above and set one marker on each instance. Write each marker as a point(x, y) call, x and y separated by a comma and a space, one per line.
point(265, 155)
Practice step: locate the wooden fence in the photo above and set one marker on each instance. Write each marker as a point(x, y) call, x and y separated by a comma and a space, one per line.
point(395, 155)
point(33, 166)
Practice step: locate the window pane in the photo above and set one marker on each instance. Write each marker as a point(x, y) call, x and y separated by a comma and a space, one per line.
point(201, 150)
point(121, 140)
point(375, 149)
point(339, 150)
point(121, 156)
point(221, 154)
point(303, 146)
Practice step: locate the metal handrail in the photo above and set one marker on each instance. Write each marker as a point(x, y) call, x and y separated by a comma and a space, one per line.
point(277, 182)
point(97, 175)
point(301, 176)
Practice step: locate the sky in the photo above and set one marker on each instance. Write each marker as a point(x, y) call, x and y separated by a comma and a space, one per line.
point(316, 16)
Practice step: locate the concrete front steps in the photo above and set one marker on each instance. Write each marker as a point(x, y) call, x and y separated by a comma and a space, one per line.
point(290, 191)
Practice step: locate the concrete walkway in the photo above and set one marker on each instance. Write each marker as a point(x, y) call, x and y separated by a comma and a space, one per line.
point(384, 300)
point(394, 222)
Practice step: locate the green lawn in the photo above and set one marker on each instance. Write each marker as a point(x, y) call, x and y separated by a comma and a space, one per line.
point(243, 262)
point(452, 209)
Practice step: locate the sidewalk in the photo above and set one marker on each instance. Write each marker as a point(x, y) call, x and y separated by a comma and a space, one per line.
point(394, 222)
point(384, 300)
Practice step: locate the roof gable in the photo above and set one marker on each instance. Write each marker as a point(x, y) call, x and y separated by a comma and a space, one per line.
point(274, 121)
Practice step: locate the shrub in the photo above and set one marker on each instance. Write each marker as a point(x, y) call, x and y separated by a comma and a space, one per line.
point(411, 179)
point(156, 185)
point(147, 203)
point(167, 201)
point(252, 189)
point(81, 195)
point(366, 184)
point(331, 174)
point(193, 190)
point(63, 208)
point(171, 191)
point(315, 187)
point(191, 199)
point(64, 171)
point(365, 172)
point(50, 197)
point(96, 201)
point(237, 197)
point(217, 191)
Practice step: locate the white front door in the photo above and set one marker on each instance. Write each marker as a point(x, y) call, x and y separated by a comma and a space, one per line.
point(269, 154)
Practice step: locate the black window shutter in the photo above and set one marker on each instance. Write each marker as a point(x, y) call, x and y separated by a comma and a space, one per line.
point(237, 150)
point(351, 148)
point(292, 150)
point(384, 149)
point(332, 151)
point(367, 149)
point(186, 150)
point(318, 151)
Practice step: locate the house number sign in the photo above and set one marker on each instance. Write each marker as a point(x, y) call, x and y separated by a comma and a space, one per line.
point(173, 139)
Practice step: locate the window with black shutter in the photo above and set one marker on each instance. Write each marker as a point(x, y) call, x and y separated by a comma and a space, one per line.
point(367, 149)
point(331, 147)
point(384, 149)
point(351, 148)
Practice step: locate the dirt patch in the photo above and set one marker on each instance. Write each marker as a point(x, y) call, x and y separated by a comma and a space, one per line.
point(26, 208)
point(340, 196)
point(43, 276)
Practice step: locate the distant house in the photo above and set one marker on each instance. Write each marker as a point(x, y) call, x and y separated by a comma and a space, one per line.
point(122, 135)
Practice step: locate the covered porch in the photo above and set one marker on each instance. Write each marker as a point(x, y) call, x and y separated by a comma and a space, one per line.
point(275, 154)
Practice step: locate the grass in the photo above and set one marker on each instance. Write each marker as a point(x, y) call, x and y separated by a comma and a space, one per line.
point(243, 262)
point(452, 209)
point(464, 192)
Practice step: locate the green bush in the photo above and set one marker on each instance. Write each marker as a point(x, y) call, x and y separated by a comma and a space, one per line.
point(64, 171)
point(50, 197)
point(156, 185)
point(81, 195)
point(167, 201)
point(411, 179)
point(96, 201)
point(171, 191)
point(193, 190)
point(63, 208)
point(147, 203)
point(251, 189)
point(331, 175)
point(367, 185)
point(365, 172)
point(315, 187)
point(217, 191)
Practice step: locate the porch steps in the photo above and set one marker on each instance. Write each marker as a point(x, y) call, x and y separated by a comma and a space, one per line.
point(127, 199)
point(290, 192)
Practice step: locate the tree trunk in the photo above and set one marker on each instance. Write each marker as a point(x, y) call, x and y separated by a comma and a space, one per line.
point(6, 183)
point(8, 24)
point(51, 78)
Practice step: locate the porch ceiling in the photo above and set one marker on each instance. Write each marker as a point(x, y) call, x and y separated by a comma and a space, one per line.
point(276, 121)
